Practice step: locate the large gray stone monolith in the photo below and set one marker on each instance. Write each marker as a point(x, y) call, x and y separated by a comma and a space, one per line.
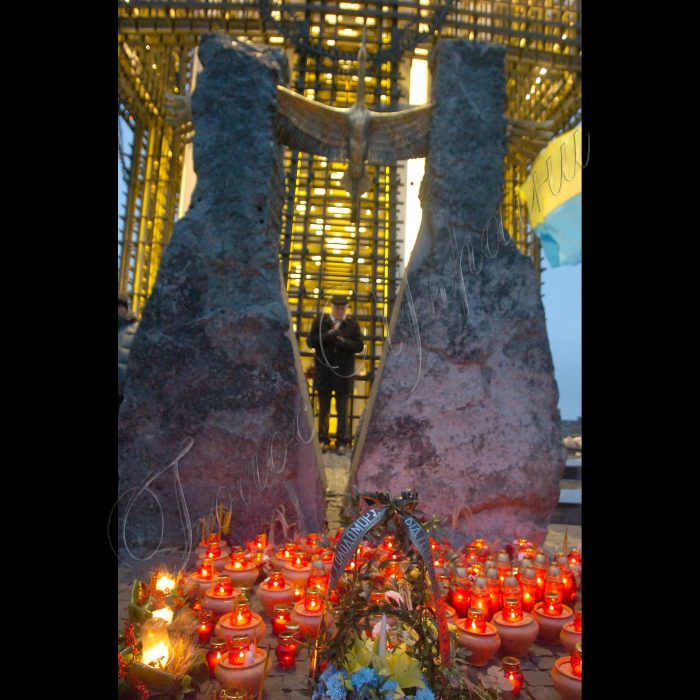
point(215, 357)
point(466, 412)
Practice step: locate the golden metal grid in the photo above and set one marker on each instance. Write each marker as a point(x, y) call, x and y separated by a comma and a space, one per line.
point(157, 42)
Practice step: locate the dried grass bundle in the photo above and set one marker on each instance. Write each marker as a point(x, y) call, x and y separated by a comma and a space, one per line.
point(184, 654)
point(185, 623)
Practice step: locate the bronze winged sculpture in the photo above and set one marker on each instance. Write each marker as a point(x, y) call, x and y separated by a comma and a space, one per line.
point(360, 135)
point(354, 133)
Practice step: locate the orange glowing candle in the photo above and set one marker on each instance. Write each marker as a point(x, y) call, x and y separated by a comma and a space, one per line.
point(577, 620)
point(511, 671)
point(286, 650)
point(223, 585)
point(318, 577)
point(567, 579)
point(511, 589)
point(280, 617)
point(216, 652)
point(471, 553)
point(553, 581)
point(459, 594)
point(494, 584)
point(313, 601)
point(275, 581)
point(479, 596)
point(574, 558)
point(238, 646)
point(244, 615)
point(300, 561)
point(206, 626)
point(477, 623)
point(503, 564)
point(206, 569)
point(539, 564)
point(512, 610)
point(238, 560)
point(575, 660)
point(552, 604)
point(288, 551)
point(531, 591)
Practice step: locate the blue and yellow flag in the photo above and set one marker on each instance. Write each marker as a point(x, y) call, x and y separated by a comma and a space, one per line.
point(552, 195)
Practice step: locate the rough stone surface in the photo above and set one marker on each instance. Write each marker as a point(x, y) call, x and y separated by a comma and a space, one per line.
point(215, 357)
point(464, 407)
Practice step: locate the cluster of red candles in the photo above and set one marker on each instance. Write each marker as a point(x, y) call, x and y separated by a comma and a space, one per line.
point(493, 583)
point(513, 581)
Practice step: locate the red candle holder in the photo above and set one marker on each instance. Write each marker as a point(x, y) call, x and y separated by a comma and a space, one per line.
point(512, 610)
point(206, 569)
point(244, 615)
point(511, 589)
point(217, 651)
point(238, 645)
point(577, 620)
point(523, 566)
point(574, 557)
point(238, 560)
point(300, 561)
point(280, 617)
point(288, 551)
point(552, 604)
point(318, 580)
point(295, 629)
point(206, 626)
point(539, 564)
point(575, 660)
point(479, 596)
point(313, 600)
point(553, 581)
point(286, 650)
point(567, 579)
point(459, 599)
point(480, 544)
point(275, 581)
point(494, 584)
point(391, 570)
point(477, 623)
point(336, 537)
point(511, 670)
point(223, 585)
point(213, 551)
point(471, 553)
point(531, 591)
point(260, 541)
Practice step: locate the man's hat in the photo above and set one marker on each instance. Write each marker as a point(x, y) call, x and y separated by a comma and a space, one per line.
point(339, 299)
point(123, 298)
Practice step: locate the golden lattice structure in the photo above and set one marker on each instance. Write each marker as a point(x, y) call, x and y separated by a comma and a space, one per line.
point(321, 252)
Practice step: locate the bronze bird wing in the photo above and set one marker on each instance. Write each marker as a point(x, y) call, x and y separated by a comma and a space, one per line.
point(306, 125)
point(393, 136)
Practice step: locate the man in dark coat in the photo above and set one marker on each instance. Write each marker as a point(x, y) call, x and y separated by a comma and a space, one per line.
point(128, 323)
point(335, 338)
